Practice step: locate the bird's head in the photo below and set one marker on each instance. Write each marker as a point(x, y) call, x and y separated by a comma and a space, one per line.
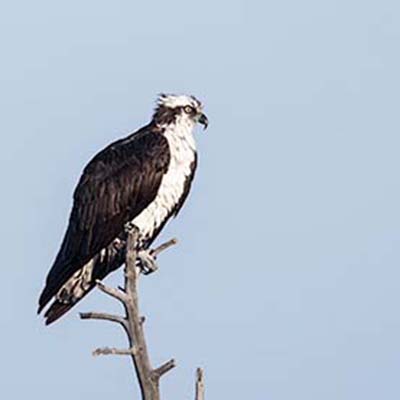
point(172, 108)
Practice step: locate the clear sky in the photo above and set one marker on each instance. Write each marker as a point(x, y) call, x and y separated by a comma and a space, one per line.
point(286, 281)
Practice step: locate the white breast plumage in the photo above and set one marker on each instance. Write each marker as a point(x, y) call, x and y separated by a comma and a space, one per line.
point(183, 154)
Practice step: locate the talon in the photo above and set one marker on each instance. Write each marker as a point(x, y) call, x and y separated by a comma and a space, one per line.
point(152, 254)
point(147, 262)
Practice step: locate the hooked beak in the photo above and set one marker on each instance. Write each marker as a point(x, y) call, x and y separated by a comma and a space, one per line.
point(203, 120)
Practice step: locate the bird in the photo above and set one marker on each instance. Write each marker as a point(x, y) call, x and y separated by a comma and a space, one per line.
point(141, 180)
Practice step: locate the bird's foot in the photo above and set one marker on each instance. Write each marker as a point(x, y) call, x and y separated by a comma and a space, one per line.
point(147, 261)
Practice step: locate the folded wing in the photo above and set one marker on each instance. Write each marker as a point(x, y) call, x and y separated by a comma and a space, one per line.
point(116, 186)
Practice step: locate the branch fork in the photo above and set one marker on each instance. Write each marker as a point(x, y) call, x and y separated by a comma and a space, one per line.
point(132, 323)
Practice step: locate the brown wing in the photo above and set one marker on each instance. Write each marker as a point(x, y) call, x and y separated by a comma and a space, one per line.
point(119, 183)
point(109, 259)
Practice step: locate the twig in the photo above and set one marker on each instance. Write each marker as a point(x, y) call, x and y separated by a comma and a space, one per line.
point(164, 246)
point(105, 351)
point(116, 293)
point(105, 317)
point(163, 369)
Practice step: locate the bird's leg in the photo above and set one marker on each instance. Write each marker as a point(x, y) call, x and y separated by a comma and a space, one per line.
point(145, 260)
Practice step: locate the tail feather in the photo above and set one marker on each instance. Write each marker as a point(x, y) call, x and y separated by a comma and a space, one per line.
point(44, 299)
point(56, 311)
point(76, 287)
point(54, 283)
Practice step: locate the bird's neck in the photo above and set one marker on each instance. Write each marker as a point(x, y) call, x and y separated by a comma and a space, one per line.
point(181, 130)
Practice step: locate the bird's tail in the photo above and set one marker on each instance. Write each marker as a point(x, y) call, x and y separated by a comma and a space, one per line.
point(80, 283)
point(56, 311)
point(74, 290)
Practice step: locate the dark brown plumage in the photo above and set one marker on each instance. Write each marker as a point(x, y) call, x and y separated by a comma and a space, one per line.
point(115, 187)
point(143, 179)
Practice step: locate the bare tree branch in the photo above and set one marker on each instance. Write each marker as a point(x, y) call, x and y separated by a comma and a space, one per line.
point(148, 382)
point(163, 369)
point(105, 351)
point(104, 317)
point(116, 293)
point(164, 246)
point(199, 384)
point(133, 324)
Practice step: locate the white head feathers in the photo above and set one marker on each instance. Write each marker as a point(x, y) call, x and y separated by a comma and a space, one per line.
point(173, 100)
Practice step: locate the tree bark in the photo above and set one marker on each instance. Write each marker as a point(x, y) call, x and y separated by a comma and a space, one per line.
point(133, 324)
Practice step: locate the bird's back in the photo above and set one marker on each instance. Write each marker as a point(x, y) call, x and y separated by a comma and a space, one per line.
point(116, 186)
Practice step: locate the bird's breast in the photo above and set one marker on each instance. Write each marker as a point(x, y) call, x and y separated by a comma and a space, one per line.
point(172, 187)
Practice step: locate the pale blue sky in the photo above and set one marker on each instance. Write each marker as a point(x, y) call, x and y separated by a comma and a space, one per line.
point(286, 281)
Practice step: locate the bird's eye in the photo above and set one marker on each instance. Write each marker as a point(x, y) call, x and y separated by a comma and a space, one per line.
point(189, 109)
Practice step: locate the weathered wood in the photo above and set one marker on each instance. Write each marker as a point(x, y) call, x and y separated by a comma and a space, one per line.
point(200, 388)
point(149, 382)
point(133, 324)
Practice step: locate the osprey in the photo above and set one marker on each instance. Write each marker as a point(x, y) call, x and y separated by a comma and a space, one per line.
point(142, 180)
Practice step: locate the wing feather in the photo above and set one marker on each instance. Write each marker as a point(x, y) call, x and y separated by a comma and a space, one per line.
point(116, 186)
